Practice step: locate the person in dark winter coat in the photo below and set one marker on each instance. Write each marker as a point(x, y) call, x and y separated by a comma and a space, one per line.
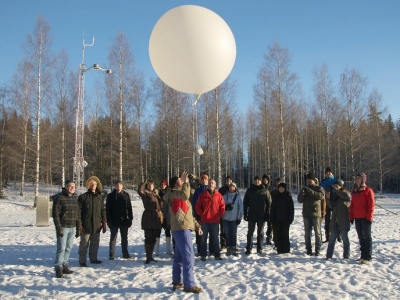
point(203, 186)
point(328, 181)
point(210, 207)
point(119, 217)
point(167, 219)
point(94, 220)
point(182, 225)
point(265, 182)
point(256, 206)
point(338, 200)
point(282, 215)
point(232, 217)
point(152, 217)
point(66, 220)
point(223, 190)
point(362, 211)
point(311, 196)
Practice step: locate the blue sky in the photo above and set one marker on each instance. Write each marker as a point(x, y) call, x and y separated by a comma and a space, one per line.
point(361, 34)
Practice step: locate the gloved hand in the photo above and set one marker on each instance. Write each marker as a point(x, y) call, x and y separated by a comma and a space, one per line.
point(238, 222)
point(129, 223)
point(77, 232)
point(60, 233)
point(245, 218)
point(352, 222)
point(104, 227)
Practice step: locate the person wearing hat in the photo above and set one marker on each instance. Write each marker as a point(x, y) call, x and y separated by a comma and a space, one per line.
point(362, 211)
point(256, 210)
point(326, 183)
point(94, 219)
point(338, 200)
point(282, 215)
point(167, 223)
point(223, 190)
point(232, 217)
point(119, 218)
point(310, 196)
point(182, 225)
point(65, 213)
point(152, 217)
point(203, 186)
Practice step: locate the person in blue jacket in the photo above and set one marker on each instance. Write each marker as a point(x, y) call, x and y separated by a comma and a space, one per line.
point(326, 183)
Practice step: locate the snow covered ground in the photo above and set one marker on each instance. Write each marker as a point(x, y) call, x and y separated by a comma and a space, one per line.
point(27, 255)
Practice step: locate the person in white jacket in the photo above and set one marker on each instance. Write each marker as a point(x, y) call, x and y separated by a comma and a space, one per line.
point(232, 217)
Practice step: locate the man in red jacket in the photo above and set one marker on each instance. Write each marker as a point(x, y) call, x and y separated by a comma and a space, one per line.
point(210, 207)
point(362, 210)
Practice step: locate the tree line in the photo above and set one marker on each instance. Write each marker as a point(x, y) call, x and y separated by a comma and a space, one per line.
point(134, 132)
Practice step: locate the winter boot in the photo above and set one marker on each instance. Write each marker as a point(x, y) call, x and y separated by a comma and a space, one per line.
point(59, 272)
point(157, 247)
point(65, 270)
point(228, 251)
point(168, 245)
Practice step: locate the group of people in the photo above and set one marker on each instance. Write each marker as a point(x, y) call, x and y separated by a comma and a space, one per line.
point(85, 217)
point(180, 208)
point(332, 202)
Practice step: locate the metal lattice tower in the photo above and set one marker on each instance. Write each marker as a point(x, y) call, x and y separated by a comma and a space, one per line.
point(79, 162)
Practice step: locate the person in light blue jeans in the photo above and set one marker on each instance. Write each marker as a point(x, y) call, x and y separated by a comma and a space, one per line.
point(232, 217)
point(66, 220)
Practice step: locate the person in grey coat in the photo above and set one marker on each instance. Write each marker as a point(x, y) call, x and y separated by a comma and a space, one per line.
point(311, 196)
point(338, 200)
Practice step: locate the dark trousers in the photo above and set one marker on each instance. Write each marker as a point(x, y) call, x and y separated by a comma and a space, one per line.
point(260, 234)
point(281, 237)
point(268, 233)
point(123, 230)
point(212, 229)
point(222, 238)
point(363, 227)
point(327, 219)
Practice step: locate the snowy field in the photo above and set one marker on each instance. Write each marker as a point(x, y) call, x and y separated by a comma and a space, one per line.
point(27, 256)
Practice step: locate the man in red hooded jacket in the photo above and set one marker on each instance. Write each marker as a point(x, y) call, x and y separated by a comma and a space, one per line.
point(362, 210)
point(210, 207)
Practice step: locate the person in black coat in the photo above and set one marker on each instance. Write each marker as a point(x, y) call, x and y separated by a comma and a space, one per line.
point(119, 217)
point(256, 205)
point(93, 216)
point(282, 214)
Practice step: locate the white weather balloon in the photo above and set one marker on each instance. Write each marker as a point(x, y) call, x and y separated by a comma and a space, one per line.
point(192, 49)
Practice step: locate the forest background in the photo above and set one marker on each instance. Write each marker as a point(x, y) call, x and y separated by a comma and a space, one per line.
point(135, 131)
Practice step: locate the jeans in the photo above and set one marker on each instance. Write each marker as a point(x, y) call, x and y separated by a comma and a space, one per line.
point(309, 224)
point(182, 269)
point(260, 234)
point(230, 233)
point(332, 240)
point(363, 227)
point(91, 241)
point(64, 246)
point(213, 229)
point(123, 230)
